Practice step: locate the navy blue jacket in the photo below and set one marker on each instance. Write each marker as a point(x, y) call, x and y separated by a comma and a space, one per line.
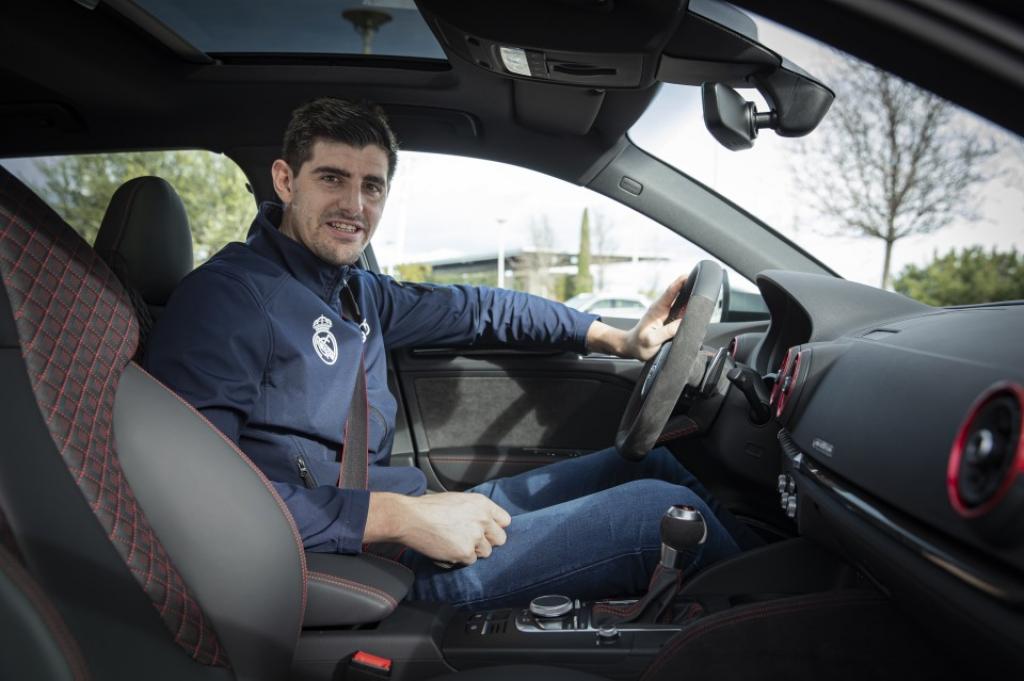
point(255, 339)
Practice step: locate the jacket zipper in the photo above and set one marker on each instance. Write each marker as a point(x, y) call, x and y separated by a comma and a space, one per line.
point(304, 474)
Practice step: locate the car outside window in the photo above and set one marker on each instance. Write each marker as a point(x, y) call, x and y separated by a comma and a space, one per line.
point(457, 220)
point(212, 187)
point(942, 226)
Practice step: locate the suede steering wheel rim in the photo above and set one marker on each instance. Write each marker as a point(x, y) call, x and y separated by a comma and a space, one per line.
point(672, 368)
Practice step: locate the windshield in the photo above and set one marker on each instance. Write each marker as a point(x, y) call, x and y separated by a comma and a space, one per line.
point(896, 188)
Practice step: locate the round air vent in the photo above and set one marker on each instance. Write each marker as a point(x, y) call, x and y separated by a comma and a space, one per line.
point(987, 459)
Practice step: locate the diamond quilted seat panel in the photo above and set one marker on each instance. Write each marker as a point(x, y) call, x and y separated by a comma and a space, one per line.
point(77, 333)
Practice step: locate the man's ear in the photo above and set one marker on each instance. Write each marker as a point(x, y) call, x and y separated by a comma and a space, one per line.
point(281, 172)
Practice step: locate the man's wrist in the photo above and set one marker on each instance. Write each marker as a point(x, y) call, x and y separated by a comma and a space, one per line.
point(384, 518)
point(607, 339)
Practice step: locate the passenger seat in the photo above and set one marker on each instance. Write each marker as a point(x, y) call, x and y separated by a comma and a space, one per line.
point(145, 238)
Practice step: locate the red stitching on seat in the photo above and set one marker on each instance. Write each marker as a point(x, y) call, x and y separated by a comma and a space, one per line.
point(355, 586)
point(391, 561)
point(76, 334)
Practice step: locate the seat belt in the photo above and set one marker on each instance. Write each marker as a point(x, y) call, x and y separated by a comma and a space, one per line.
point(355, 453)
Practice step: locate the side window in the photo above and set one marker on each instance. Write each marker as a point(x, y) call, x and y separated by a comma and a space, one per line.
point(456, 220)
point(212, 187)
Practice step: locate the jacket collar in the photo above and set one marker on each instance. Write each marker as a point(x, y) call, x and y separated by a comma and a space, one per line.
point(322, 278)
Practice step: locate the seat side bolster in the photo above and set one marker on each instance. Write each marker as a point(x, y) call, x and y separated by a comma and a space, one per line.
point(224, 527)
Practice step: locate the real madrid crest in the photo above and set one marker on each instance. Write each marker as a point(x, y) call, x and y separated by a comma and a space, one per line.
point(324, 342)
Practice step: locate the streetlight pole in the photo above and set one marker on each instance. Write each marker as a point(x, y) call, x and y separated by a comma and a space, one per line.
point(501, 252)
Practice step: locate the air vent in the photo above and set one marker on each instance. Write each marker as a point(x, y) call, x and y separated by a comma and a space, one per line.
point(776, 389)
point(786, 383)
point(988, 454)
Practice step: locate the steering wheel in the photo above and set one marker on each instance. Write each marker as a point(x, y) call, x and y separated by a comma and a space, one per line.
point(675, 366)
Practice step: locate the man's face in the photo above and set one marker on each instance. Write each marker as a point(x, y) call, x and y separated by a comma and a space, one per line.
point(334, 202)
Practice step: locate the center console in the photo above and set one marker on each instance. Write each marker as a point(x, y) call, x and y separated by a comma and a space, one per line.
point(558, 631)
point(421, 640)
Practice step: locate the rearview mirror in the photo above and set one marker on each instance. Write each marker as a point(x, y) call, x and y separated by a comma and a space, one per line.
point(728, 117)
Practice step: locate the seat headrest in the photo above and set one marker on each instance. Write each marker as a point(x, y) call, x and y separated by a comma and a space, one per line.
point(146, 239)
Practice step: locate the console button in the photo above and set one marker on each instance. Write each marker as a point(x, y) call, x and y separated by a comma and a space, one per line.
point(608, 635)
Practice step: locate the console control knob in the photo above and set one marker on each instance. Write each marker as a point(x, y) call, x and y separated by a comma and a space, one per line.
point(550, 606)
point(607, 635)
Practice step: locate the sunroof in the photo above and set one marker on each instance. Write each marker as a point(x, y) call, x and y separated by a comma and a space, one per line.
point(391, 28)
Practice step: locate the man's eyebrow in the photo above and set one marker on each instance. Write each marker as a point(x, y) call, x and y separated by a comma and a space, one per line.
point(331, 170)
point(334, 170)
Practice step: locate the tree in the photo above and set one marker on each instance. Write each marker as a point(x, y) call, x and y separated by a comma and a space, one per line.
point(970, 276)
point(604, 244)
point(537, 261)
point(584, 281)
point(892, 160)
point(211, 186)
point(414, 271)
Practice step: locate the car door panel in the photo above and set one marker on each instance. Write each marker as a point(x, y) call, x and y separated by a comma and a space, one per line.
point(480, 414)
point(475, 414)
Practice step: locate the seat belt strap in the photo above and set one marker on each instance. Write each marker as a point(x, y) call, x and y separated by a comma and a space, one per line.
point(355, 454)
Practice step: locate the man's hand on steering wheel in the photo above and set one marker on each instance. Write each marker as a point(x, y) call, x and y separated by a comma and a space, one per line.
point(644, 340)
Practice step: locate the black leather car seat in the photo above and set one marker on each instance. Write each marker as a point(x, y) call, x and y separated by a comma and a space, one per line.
point(165, 553)
point(145, 238)
point(189, 568)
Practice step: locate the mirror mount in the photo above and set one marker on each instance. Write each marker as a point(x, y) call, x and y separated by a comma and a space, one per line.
point(732, 120)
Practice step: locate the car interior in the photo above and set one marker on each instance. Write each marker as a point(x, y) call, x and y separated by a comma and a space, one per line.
point(874, 444)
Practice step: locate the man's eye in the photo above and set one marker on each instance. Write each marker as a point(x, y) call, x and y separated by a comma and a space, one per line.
point(329, 178)
point(374, 189)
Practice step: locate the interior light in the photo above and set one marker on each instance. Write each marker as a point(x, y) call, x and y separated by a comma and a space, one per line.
point(514, 59)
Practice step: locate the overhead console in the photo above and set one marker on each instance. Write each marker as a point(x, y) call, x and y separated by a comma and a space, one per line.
point(629, 44)
point(615, 43)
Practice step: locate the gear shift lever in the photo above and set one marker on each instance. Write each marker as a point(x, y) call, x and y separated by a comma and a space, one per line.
point(683, 531)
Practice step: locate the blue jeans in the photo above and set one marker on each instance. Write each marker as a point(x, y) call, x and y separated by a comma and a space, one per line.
point(585, 527)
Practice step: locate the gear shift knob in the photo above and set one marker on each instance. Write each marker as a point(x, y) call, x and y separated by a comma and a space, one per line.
point(682, 528)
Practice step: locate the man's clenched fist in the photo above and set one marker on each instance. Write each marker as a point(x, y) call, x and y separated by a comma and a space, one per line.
point(454, 527)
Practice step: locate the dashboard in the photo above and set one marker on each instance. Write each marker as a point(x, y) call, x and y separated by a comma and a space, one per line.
point(900, 428)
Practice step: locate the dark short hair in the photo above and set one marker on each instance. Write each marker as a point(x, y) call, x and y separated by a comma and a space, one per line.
point(357, 124)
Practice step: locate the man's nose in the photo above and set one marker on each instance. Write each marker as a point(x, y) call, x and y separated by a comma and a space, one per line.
point(350, 200)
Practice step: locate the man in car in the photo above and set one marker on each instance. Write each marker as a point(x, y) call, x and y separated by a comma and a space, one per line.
point(268, 338)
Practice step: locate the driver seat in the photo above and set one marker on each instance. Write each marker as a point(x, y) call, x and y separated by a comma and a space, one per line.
point(164, 552)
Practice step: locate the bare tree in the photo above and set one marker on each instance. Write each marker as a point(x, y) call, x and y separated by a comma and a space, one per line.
point(892, 160)
point(540, 258)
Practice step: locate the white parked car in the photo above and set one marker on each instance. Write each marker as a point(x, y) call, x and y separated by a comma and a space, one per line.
point(611, 304)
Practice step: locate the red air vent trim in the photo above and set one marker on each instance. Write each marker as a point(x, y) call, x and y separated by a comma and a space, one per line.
point(956, 454)
point(787, 383)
